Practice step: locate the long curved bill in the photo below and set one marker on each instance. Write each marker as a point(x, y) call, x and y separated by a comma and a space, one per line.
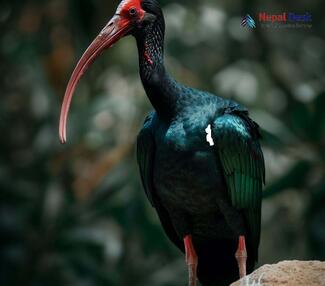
point(116, 28)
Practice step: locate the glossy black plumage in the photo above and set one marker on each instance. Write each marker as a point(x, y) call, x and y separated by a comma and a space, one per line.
point(210, 192)
point(206, 188)
point(187, 183)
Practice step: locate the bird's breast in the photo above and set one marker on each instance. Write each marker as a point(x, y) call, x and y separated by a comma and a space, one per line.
point(185, 136)
point(186, 172)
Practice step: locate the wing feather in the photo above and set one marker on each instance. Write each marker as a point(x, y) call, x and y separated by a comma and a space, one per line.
point(146, 148)
point(237, 138)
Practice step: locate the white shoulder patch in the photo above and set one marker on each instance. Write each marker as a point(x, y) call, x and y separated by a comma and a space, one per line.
point(209, 135)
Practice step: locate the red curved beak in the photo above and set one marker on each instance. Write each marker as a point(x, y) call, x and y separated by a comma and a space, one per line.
point(116, 28)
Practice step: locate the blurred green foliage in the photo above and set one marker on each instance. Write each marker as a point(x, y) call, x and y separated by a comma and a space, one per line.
point(76, 214)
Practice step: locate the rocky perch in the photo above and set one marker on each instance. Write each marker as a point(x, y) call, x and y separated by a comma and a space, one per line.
point(286, 273)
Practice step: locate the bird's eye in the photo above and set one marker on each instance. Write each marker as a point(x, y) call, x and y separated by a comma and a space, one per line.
point(133, 11)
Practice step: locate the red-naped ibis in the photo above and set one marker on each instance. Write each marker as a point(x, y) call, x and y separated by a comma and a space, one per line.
point(199, 155)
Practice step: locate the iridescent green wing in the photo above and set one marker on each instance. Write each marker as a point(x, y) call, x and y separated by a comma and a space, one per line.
point(146, 148)
point(237, 139)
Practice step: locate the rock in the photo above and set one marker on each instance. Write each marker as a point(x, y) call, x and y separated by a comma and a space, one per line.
point(287, 273)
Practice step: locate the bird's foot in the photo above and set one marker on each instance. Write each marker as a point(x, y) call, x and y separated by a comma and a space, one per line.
point(191, 260)
point(241, 256)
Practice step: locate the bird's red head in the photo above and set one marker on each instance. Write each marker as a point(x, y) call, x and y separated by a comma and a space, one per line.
point(129, 15)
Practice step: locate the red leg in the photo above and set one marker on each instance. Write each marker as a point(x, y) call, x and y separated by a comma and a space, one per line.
point(241, 256)
point(191, 259)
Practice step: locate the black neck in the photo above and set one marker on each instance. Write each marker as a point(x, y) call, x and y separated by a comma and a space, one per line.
point(159, 86)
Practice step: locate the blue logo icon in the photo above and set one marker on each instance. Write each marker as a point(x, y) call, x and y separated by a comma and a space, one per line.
point(248, 22)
